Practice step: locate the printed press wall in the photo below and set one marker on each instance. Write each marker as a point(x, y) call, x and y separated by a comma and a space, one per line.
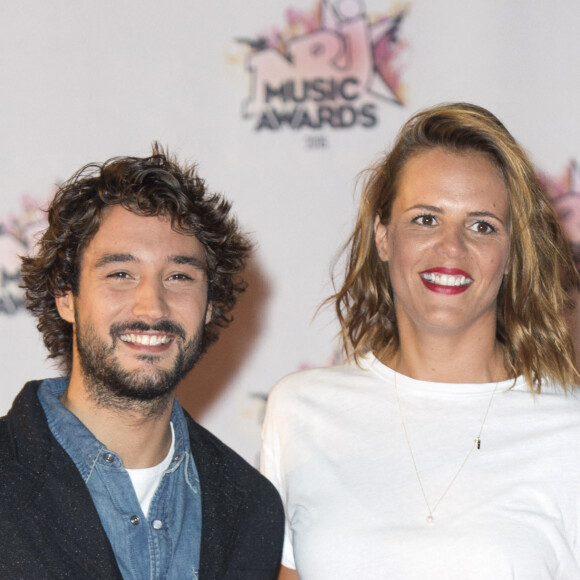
point(281, 104)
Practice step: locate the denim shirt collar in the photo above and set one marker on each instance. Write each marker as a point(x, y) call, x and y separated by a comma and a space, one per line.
point(82, 446)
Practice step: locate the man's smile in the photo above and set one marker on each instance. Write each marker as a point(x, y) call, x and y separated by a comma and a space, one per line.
point(146, 339)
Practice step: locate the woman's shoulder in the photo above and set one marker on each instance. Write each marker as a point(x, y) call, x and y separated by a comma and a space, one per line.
point(552, 406)
point(318, 382)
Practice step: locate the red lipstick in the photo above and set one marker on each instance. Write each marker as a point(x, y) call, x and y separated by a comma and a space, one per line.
point(448, 281)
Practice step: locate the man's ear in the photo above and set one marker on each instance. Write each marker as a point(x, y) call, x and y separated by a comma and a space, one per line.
point(66, 306)
point(208, 313)
point(381, 240)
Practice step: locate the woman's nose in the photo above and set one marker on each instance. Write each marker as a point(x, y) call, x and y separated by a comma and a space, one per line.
point(452, 241)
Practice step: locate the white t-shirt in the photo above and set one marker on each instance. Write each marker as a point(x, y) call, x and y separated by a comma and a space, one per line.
point(335, 448)
point(147, 479)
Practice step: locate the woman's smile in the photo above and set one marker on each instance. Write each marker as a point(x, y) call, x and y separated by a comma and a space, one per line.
point(446, 280)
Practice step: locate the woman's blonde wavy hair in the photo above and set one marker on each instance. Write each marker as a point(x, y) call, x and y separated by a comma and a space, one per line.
point(535, 295)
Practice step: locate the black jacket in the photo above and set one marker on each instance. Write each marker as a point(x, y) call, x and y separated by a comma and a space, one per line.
point(49, 527)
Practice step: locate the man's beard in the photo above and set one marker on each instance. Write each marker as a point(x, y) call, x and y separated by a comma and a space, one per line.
point(147, 390)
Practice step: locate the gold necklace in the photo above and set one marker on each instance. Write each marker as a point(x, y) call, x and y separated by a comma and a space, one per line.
point(476, 445)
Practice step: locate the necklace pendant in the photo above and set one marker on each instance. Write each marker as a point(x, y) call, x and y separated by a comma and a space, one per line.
point(430, 519)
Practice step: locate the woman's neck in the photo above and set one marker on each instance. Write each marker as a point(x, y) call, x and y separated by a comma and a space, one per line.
point(449, 360)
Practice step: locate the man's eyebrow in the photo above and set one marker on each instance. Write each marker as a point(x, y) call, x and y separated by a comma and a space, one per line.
point(114, 258)
point(194, 261)
point(180, 259)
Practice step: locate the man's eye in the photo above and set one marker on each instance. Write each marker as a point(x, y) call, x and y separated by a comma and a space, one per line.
point(119, 275)
point(180, 277)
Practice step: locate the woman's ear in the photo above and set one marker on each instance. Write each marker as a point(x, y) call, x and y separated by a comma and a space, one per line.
point(66, 306)
point(381, 239)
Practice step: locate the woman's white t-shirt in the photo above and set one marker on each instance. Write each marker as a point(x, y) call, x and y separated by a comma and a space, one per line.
point(335, 448)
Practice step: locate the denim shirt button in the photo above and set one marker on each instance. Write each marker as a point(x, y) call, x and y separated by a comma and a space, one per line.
point(157, 524)
point(135, 520)
point(108, 457)
point(176, 458)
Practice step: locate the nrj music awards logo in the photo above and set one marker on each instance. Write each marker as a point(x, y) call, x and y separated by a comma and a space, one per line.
point(565, 194)
point(328, 69)
point(18, 234)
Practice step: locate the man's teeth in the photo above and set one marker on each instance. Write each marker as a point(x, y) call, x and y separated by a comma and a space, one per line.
point(446, 279)
point(145, 339)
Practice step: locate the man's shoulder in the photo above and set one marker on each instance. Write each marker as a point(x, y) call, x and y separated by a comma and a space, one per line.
point(5, 447)
point(26, 400)
point(209, 450)
point(25, 404)
point(237, 497)
point(25, 450)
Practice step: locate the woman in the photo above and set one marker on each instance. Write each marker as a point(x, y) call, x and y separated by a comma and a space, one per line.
point(448, 446)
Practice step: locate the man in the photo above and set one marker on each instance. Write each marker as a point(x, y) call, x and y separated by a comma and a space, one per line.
point(102, 474)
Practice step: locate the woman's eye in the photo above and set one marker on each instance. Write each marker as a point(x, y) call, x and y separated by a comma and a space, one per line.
point(425, 220)
point(483, 228)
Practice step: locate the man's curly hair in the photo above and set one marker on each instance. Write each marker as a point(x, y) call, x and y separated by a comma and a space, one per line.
point(152, 186)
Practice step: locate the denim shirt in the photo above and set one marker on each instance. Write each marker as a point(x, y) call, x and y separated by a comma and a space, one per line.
point(166, 544)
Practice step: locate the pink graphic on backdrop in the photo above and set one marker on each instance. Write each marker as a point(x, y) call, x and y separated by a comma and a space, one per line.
point(326, 69)
point(565, 195)
point(18, 234)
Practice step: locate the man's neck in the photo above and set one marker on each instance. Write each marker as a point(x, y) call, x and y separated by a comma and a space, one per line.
point(140, 439)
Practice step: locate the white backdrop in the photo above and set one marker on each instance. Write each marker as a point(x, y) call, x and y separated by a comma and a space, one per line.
point(84, 81)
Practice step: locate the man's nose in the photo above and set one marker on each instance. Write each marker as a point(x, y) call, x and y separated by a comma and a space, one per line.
point(150, 300)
